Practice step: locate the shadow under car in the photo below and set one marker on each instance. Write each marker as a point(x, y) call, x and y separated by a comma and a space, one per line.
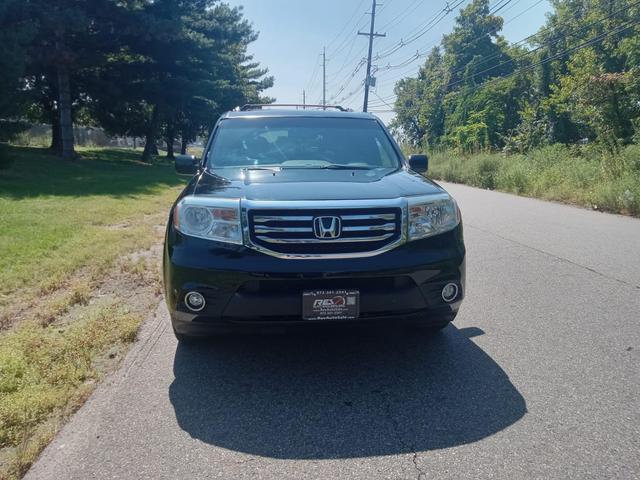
point(342, 393)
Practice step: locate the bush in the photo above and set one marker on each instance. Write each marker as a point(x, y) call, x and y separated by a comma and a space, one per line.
point(486, 171)
point(477, 170)
point(631, 156)
point(515, 176)
point(472, 137)
point(619, 195)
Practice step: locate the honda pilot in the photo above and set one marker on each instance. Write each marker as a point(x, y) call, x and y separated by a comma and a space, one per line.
point(305, 217)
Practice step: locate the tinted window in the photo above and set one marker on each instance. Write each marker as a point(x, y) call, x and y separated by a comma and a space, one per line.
point(301, 143)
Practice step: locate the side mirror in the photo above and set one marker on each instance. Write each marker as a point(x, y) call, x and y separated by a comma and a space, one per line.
point(419, 163)
point(187, 164)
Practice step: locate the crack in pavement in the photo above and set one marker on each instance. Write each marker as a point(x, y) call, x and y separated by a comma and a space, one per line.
point(553, 255)
point(396, 430)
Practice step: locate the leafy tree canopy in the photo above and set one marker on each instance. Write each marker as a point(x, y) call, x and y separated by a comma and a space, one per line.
point(146, 68)
point(578, 78)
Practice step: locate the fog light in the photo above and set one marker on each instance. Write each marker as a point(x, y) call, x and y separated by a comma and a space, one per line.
point(194, 301)
point(450, 292)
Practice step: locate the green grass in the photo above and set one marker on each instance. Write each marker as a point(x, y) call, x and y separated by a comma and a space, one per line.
point(582, 176)
point(66, 229)
point(57, 216)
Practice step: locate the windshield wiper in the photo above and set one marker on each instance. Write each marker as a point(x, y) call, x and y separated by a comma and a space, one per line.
point(276, 168)
point(336, 166)
point(331, 166)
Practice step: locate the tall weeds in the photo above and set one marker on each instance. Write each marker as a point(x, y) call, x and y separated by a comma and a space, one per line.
point(587, 176)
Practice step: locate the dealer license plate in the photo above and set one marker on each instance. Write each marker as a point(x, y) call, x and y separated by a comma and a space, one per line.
point(330, 304)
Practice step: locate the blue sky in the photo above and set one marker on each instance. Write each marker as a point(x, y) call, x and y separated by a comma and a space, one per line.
point(294, 32)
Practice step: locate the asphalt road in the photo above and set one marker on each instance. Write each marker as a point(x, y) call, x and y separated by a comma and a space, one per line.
point(538, 379)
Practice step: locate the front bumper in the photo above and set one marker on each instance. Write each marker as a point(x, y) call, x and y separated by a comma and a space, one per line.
point(246, 289)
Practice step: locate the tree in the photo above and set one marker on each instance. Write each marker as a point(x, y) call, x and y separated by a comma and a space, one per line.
point(579, 78)
point(448, 102)
point(421, 114)
point(184, 63)
point(474, 52)
point(71, 38)
point(16, 31)
point(591, 90)
point(240, 79)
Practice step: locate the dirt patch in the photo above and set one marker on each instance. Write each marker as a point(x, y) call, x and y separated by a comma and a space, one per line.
point(47, 304)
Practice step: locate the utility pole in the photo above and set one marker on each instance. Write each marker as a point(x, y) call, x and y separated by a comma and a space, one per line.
point(324, 78)
point(372, 34)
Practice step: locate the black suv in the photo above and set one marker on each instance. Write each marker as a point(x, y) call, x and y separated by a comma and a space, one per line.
point(298, 217)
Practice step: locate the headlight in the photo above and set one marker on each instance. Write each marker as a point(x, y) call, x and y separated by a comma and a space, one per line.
point(210, 218)
point(432, 215)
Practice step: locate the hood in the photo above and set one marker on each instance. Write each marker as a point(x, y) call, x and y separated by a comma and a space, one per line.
point(313, 184)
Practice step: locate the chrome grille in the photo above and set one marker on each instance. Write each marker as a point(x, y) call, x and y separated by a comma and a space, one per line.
point(290, 232)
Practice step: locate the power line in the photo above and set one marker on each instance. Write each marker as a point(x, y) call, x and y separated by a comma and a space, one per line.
point(387, 98)
point(418, 55)
point(382, 100)
point(435, 20)
point(360, 53)
point(348, 59)
point(351, 94)
point(588, 43)
point(544, 30)
point(313, 75)
point(512, 4)
point(347, 81)
point(500, 6)
point(349, 37)
point(522, 12)
point(315, 82)
point(490, 57)
point(385, 5)
point(543, 45)
point(410, 9)
point(624, 26)
point(348, 22)
point(413, 37)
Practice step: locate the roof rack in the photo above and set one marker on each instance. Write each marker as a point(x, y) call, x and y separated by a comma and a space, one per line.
point(260, 106)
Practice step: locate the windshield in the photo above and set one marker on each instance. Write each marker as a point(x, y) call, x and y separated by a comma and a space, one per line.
point(296, 142)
